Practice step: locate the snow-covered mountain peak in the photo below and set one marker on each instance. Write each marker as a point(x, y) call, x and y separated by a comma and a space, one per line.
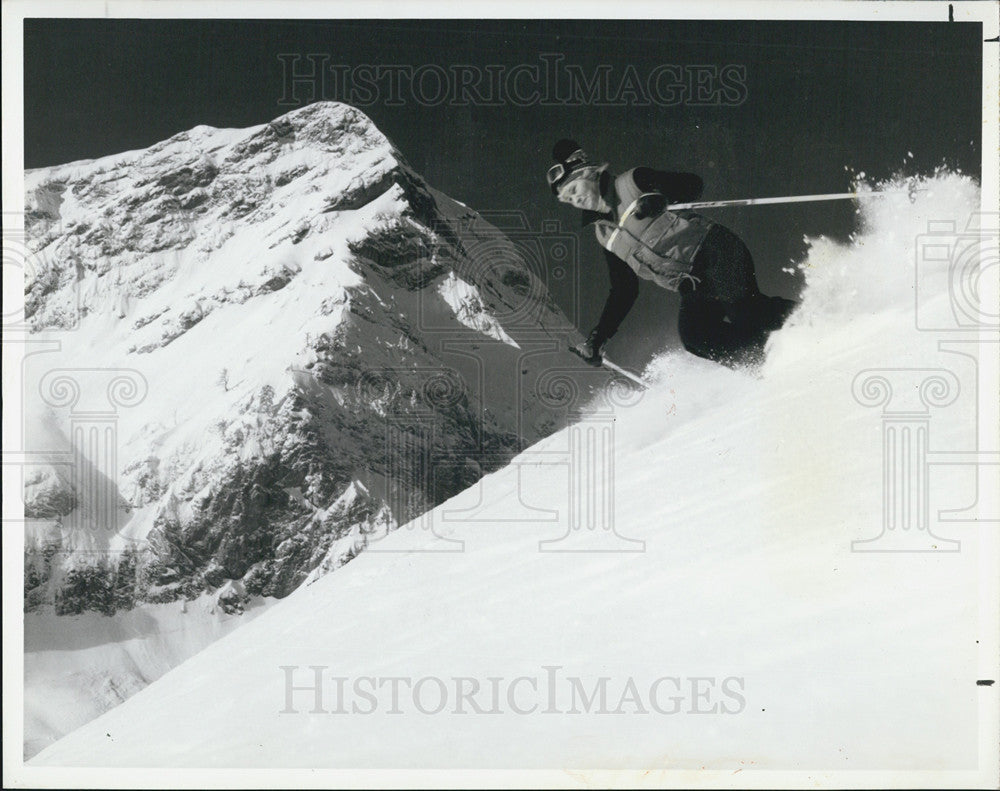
point(161, 214)
point(256, 282)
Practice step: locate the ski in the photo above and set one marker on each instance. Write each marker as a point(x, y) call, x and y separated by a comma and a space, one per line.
point(613, 367)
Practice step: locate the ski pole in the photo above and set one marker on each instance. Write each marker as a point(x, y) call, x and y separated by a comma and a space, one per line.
point(788, 199)
point(622, 372)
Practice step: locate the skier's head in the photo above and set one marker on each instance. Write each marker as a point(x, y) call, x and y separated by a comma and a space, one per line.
point(574, 179)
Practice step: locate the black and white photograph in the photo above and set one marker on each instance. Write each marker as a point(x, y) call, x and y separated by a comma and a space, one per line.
point(538, 395)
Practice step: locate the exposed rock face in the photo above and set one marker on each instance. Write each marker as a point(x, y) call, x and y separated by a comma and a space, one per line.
point(315, 345)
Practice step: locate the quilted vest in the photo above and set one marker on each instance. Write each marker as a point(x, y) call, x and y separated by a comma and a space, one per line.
point(660, 247)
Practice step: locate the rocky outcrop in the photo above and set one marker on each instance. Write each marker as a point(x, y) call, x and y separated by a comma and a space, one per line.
point(286, 292)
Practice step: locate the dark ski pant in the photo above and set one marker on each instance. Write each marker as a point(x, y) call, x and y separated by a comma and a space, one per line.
point(725, 318)
point(731, 334)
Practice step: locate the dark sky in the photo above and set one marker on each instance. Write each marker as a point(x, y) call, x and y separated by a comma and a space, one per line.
point(801, 101)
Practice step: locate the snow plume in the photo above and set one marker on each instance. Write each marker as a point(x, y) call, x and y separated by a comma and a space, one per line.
point(874, 271)
point(860, 295)
point(734, 607)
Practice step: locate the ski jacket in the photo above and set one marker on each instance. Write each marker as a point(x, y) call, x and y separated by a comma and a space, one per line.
point(656, 244)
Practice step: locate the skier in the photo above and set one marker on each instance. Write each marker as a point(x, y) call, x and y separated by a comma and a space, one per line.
point(723, 315)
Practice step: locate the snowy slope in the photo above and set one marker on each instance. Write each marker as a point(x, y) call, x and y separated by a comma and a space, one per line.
point(80, 666)
point(780, 647)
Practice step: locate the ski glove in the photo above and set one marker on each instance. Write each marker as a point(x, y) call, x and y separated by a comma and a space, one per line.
point(649, 206)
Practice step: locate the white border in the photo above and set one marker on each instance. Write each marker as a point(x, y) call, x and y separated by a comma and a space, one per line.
point(17, 775)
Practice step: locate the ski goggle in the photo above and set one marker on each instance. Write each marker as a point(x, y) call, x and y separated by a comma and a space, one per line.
point(555, 175)
point(558, 180)
point(561, 170)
